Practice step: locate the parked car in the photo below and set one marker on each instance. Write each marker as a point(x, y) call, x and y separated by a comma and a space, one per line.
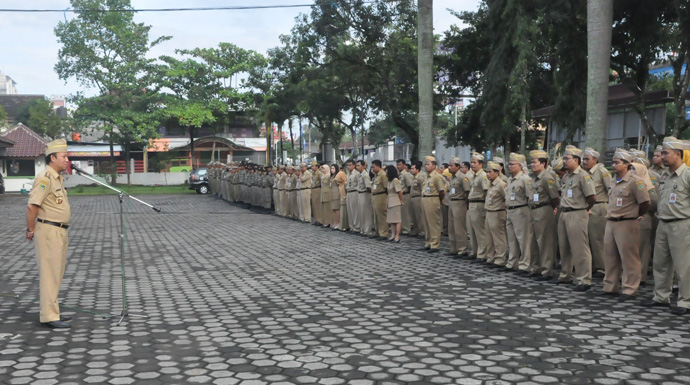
point(198, 180)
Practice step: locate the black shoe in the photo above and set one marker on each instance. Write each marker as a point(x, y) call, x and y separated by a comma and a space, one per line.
point(469, 257)
point(653, 303)
point(679, 310)
point(396, 241)
point(493, 266)
point(382, 238)
point(605, 294)
point(506, 268)
point(56, 325)
point(424, 248)
point(534, 275)
point(65, 317)
point(559, 282)
point(477, 260)
point(450, 254)
point(522, 272)
point(543, 278)
point(625, 297)
point(432, 251)
point(582, 287)
point(598, 274)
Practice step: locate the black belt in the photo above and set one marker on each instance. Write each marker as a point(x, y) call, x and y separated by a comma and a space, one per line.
point(620, 219)
point(516, 207)
point(596, 203)
point(362, 192)
point(58, 224)
point(476, 201)
point(541, 205)
point(429, 196)
point(673, 220)
point(351, 191)
point(379, 193)
point(457, 199)
point(405, 193)
point(569, 209)
point(495, 211)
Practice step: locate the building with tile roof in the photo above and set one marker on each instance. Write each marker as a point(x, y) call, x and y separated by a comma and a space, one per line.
point(27, 156)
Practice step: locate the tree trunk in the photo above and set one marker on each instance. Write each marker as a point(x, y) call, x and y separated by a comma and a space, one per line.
point(523, 125)
point(355, 148)
point(292, 140)
point(191, 148)
point(269, 142)
point(599, 29)
point(425, 64)
point(680, 91)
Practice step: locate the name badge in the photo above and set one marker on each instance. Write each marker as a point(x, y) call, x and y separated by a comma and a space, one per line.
point(428, 189)
point(491, 200)
point(374, 187)
point(512, 196)
point(619, 202)
point(452, 191)
point(536, 197)
point(570, 193)
point(672, 198)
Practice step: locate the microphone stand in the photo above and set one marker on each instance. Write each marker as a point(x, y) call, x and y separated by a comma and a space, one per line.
point(121, 195)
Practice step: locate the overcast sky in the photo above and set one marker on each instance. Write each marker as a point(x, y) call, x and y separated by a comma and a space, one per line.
point(28, 46)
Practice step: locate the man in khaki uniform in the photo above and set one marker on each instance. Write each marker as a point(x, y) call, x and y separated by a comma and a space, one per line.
point(365, 213)
point(298, 194)
point(495, 207)
point(47, 220)
point(379, 199)
point(432, 195)
point(316, 210)
point(276, 193)
point(416, 199)
point(672, 246)
point(544, 198)
point(597, 220)
point(459, 189)
point(657, 161)
point(479, 184)
point(501, 174)
point(305, 192)
point(628, 202)
point(283, 187)
point(577, 198)
point(649, 220)
point(406, 183)
point(519, 216)
point(352, 196)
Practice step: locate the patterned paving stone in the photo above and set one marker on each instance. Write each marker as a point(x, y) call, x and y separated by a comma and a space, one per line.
point(239, 297)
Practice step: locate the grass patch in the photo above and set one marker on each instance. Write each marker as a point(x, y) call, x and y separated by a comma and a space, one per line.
point(132, 190)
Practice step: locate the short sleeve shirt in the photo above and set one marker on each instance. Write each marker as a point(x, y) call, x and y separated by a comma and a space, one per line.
point(352, 180)
point(625, 196)
point(518, 190)
point(379, 183)
point(417, 183)
point(602, 182)
point(394, 187)
point(496, 195)
point(459, 186)
point(433, 185)
point(576, 186)
point(49, 194)
point(479, 186)
point(544, 188)
point(674, 194)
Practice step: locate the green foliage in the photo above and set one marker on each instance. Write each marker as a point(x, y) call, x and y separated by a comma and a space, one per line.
point(3, 117)
point(44, 121)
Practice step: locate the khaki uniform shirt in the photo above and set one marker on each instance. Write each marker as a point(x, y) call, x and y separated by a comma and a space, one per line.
point(50, 196)
point(674, 194)
point(602, 182)
point(433, 185)
point(575, 189)
point(459, 187)
point(625, 196)
point(292, 182)
point(504, 178)
point(341, 180)
point(282, 183)
point(380, 183)
point(544, 188)
point(394, 187)
point(417, 182)
point(405, 181)
point(518, 190)
point(479, 185)
point(364, 181)
point(316, 179)
point(496, 196)
point(658, 170)
point(306, 180)
point(352, 181)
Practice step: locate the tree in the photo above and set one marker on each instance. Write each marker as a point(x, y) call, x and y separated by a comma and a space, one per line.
point(44, 121)
point(105, 50)
point(3, 117)
point(599, 30)
point(678, 42)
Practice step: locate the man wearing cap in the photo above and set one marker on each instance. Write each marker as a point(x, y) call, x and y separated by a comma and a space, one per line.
point(459, 189)
point(657, 161)
point(577, 198)
point(672, 245)
point(316, 210)
point(283, 187)
point(352, 196)
point(305, 193)
point(501, 174)
point(406, 183)
point(628, 202)
point(597, 220)
point(649, 221)
point(558, 168)
point(479, 185)
point(495, 207)
point(379, 199)
point(365, 213)
point(419, 176)
point(432, 195)
point(543, 199)
point(47, 220)
point(519, 216)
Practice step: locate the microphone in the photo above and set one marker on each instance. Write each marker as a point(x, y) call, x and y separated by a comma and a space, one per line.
point(77, 169)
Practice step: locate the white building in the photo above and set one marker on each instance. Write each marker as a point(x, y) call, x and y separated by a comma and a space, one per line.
point(7, 85)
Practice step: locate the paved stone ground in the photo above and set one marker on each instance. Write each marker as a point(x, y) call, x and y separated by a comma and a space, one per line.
point(237, 297)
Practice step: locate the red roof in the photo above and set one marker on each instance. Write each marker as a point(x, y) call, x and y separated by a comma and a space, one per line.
point(27, 144)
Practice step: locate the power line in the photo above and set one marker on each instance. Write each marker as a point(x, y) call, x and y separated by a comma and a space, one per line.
point(224, 8)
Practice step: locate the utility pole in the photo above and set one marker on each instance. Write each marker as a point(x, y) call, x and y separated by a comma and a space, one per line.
point(425, 66)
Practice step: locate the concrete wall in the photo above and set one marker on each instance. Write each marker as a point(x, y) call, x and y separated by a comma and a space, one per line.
point(145, 179)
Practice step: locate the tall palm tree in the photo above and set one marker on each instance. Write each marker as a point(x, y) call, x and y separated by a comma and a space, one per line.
point(425, 65)
point(599, 28)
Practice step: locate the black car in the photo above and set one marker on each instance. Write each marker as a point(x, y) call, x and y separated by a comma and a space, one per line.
point(198, 180)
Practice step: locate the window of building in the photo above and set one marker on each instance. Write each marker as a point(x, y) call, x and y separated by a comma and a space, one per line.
point(20, 167)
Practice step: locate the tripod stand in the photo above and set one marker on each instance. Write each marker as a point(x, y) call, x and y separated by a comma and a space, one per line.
point(121, 197)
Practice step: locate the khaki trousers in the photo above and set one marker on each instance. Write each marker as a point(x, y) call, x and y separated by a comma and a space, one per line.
point(596, 229)
point(431, 213)
point(622, 251)
point(672, 252)
point(457, 226)
point(573, 242)
point(477, 229)
point(444, 219)
point(380, 205)
point(316, 204)
point(276, 201)
point(406, 214)
point(366, 216)
point(353, 210)
point(544, 241)
point(51, 255)
point(300, 209)
point(646, 242)
point(305, 197)
point(236, 189)
point(284, 204)
point(344, 224)
point(326, 213)
point(519, 229)
point(496, 242)
point(416, 216)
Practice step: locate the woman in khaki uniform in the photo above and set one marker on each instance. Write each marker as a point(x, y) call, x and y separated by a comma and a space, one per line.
point(495, 206)
point(326, 209)
point(341, 181)
point(335, 197)
point(395, 199)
